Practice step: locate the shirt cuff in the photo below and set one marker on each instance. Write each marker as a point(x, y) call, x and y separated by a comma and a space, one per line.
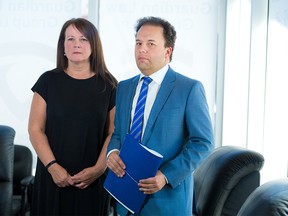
point(167, 182)
point(113, 150)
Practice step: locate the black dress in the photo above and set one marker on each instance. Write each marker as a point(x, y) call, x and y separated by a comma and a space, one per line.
point(76, 129)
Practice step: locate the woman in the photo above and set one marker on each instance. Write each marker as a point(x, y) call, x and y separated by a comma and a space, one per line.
point(70, 125)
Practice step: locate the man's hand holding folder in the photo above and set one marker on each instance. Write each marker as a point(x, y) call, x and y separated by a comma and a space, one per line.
point(134, 174)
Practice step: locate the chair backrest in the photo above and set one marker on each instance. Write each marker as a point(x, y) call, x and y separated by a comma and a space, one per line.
point(225, 179)
point(7, 135)
point(22, 166)
point(269, 199)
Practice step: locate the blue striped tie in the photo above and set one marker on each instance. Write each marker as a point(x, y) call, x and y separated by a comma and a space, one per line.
point(136, 128)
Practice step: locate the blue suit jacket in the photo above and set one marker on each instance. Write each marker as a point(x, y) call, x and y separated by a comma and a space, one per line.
point(179, 128)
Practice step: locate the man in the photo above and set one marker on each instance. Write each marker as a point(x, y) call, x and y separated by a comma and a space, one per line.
point(176, 122)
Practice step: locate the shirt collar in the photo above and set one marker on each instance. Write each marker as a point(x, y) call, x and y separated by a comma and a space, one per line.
point(158, 76)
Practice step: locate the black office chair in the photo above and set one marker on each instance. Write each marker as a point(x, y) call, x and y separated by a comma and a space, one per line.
point(224, 180)
point(269, 199)
point(22, 180)
point(7, 135)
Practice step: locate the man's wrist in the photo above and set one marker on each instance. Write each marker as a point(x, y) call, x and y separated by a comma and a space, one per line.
point(113, 150)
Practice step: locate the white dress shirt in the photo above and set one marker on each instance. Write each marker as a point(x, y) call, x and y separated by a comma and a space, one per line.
point(153, 89)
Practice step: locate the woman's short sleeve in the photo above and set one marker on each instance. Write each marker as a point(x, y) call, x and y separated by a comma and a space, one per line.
point(41, 86)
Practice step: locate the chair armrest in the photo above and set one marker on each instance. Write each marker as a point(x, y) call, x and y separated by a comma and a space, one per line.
point(27, 181)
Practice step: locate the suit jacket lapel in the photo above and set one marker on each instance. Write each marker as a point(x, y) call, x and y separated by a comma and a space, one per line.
point(161, 98)
point(129, 97)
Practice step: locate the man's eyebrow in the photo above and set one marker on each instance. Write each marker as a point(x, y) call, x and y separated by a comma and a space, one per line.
point(150, 40)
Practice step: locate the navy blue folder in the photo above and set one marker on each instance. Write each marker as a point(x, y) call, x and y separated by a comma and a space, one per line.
point(141, 163)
